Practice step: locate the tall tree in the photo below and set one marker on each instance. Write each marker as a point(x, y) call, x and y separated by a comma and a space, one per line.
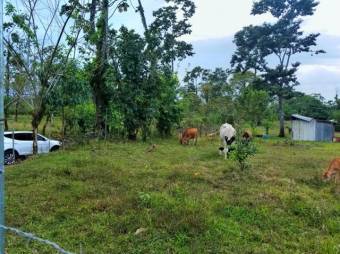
point(168, 111)
point(164, 47)
point(214, 84)
point(269, 49)
point(134, 95)
point(95, 26)
point(194, 78)
point(49, 43)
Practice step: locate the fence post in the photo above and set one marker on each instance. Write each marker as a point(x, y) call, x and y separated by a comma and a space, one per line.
point(13, 150)
point(2, 170)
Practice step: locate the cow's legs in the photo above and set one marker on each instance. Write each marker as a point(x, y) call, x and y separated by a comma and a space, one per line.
point(226, 150)
point(336, 178)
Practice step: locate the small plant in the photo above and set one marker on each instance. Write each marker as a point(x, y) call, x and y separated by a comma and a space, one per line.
point(242, 150)
point(144, 199)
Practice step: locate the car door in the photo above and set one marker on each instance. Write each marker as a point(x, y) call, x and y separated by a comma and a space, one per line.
point(43, 144)
point(23, 143)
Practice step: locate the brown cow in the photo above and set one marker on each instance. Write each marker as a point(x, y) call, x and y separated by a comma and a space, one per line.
point(189, 133)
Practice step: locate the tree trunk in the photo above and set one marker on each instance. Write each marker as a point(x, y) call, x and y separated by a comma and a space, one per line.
point(5, 118)
point(37, 116)
point(282, 118)
point(35, 139)
point(132, 135)
point(48, 119)
point(63, 125)
point(6, 124)
point(7, 85)
point(98, 75)
point(16, 111)
point(100, 109)
point(142, 15)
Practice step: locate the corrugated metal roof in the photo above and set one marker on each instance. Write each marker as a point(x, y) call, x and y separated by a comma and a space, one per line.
point(303, 118)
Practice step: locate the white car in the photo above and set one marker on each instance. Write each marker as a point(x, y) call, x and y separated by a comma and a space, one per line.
point(22, 145)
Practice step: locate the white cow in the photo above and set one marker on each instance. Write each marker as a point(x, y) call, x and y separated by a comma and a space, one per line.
point(227, 135)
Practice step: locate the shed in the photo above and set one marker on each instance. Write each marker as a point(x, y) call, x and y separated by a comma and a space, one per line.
point(310, 129)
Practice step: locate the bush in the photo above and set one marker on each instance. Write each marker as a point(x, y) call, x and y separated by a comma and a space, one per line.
point(242, 150)
point(81, 118)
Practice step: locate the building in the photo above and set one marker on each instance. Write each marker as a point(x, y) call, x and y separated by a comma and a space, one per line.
point(310, 129)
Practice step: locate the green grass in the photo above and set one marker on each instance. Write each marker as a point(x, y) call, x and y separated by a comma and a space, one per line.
point(23, 123)
point(188, 198)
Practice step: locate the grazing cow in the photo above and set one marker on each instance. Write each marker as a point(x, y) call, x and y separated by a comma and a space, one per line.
point(333, 170)
point(247, 135)
point(227, 135)
point(189, 133)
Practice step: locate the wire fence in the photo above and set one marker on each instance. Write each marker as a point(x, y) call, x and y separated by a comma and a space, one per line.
point(31, 236)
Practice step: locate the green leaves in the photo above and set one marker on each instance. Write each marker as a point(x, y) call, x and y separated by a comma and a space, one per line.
point(123, 6)
point(268, 49)
point(9, 9)
point(290, 9)
point(166, 29)
point(242, 150)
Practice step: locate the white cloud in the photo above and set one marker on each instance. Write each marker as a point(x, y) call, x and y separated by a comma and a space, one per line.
point(306, 69)
point(326, 18)
point(322, 79)
point(221, 18)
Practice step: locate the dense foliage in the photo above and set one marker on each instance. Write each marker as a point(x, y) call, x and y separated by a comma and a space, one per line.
point(124, 84)
point(268, 49)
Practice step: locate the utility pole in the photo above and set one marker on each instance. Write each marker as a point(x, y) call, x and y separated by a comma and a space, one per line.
point(2, 120)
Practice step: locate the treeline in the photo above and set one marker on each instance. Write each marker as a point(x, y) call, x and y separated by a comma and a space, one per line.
point(210, 98)
point(64, 58)
point(68, 61)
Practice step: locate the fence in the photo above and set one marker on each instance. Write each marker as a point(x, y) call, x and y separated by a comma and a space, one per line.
point(31, 236)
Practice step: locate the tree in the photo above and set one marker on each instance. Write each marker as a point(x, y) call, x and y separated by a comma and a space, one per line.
point(215, 84)
point(309, 105)
point(72, 82)
point(47, 50)
point(259, 46)
point(165, 32)
point(144, 69)
point(164, 47)
point(135, 96)
point(253, 106)
point(193, 79)
point(168, 112)
point(95, 26)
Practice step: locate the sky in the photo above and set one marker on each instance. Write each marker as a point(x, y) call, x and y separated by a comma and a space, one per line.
point(216, 22)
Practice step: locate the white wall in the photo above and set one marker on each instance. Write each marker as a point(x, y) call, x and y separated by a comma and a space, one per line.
point(304, 131)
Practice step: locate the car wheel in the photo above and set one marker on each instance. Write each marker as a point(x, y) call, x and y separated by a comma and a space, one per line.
point(9, 157)
point(54, 148)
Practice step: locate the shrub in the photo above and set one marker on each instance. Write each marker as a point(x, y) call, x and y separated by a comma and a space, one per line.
point(81, 118)
point(242, 150)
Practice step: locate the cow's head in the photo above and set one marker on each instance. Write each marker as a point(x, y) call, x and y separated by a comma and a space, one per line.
point(183, 141)
point(328, 175)
point(221, 150)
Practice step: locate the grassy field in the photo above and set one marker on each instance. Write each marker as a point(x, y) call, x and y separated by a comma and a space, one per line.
point(23, 123)
point(186, 199)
